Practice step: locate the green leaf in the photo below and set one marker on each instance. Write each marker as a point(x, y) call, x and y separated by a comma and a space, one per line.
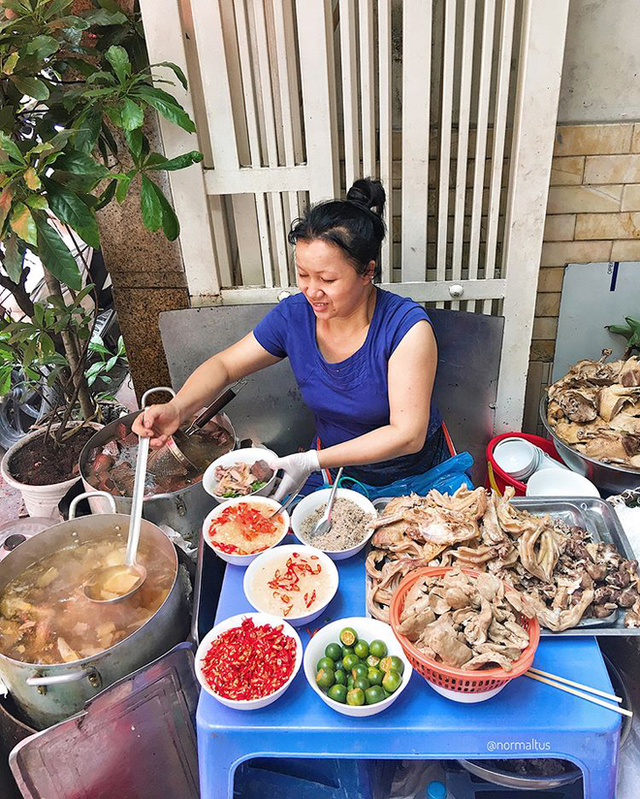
point(134, 139)
point(132, 115)
point(166, 105)
point(110, 5)
point(122, 189)
point(10, 148)
point(10, 64)
point(119, 60)
point(37, 201)
point(107, 77)
point(57, 7)
point(150, 205)
point(115, 115)
point(96, 346)
point(32, 87)
point(176, 69)
point(69, 208)
point(5, 205)
point(619, 330)
point(170, 224)
point(42, 47)
point(23, 223)
point(56, 257)
point(5, 379)
point(88, 127)
point(13, 255)
point(79, 163)
point(171, 164)
point(38, 313)
point(7, 117)
point(106, 196)
point(104, 17)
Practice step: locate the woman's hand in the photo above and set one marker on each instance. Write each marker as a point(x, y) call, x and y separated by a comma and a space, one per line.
point(297, 468)
point(157, 422)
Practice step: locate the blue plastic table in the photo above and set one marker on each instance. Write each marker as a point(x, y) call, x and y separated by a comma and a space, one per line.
point(526, 719)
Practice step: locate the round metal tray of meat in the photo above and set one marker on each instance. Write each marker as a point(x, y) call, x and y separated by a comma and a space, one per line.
point(598, 518)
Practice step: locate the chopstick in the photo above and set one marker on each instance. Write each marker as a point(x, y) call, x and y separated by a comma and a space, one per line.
point(581, 694)
point(587, 688)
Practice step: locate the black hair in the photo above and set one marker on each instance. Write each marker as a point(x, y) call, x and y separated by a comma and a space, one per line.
point(354, 224)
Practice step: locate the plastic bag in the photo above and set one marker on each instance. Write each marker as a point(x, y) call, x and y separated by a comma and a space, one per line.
point(447, 477)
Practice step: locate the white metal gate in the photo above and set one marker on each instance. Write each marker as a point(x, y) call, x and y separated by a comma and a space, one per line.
point(294, 99)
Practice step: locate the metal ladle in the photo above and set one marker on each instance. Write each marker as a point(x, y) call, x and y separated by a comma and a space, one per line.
point(97, 586)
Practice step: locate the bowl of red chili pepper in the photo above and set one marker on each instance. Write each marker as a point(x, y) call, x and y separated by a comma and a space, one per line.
point(292, 582)
point(248, 661)
point(238, 530)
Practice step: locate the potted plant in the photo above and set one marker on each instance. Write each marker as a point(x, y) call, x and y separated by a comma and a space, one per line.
point(75, 93)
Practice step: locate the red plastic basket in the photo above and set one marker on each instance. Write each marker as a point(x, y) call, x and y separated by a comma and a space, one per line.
point(501, 479)
point(468, 682)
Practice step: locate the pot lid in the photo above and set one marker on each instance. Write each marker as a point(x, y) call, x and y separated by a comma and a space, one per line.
point(13, 533)
point(112, 749)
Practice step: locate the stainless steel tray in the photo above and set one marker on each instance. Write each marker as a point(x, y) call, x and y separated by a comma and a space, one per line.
point(601, 521)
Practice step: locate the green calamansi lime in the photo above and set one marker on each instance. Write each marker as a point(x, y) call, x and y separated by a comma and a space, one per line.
point(373, 661)
point(355, 697)
point(347, 650)
point(338, 693)
point(391, 681)
point(374, 694)
point(397, 664)
point(361, 648)
point(340, 677)
point(333, 651)
point(349, 661)
point(378, 648)
point(325, 663)
point(339, 665)
point(362, 683)
point(359, 670)
point(385, 664)
point(349, 683)
point(375, 676)
point(325, 678)
point(348, 636)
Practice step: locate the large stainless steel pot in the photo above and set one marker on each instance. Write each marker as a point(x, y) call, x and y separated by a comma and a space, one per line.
point(182, 510)
point(46, 694)
point(608, 477)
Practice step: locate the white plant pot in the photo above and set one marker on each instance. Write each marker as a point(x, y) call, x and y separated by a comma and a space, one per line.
point(38, 500)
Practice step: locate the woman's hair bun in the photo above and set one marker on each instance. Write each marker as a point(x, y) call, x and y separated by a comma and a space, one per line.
point(369, 193)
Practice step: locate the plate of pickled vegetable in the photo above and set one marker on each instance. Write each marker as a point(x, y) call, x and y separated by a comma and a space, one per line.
point(356, 666)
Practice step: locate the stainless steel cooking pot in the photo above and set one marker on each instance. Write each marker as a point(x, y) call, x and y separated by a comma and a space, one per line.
point(607, 476)
point(46, 694)
point(183, 510)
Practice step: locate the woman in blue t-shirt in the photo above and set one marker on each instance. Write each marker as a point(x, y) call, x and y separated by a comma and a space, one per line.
point(364, 359)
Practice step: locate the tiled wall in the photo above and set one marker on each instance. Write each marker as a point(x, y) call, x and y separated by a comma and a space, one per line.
point(593, 215)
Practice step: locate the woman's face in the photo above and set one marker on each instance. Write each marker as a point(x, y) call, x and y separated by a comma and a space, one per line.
point(328, 280)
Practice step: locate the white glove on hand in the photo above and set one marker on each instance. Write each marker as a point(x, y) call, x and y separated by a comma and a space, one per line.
point(297, 468)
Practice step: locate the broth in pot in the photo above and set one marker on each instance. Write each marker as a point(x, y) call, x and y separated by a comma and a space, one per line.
point(46, 618)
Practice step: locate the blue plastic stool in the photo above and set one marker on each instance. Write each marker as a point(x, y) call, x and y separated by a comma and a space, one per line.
point(281, 778)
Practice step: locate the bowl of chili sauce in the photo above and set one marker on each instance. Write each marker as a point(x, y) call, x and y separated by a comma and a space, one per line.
point(292, 582)
point(238, 530)
point(248, 661)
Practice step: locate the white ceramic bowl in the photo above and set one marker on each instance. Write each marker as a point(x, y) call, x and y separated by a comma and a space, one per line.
point(269, 556)
point(248, 455)
point(244, 560)
point(560, 483)
point(313, 501)
point(517, 457)
point(370, 630)
point(236, 621)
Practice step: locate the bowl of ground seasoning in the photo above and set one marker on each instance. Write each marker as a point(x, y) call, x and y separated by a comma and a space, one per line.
point(350, 519)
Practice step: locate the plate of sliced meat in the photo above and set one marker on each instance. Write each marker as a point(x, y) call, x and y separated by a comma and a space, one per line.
point(568, 556)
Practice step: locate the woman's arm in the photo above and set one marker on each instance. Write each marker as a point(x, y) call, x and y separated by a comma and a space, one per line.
point(412, 370)
point(239, 360)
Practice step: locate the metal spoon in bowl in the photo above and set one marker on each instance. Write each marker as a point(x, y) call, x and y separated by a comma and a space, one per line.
point(114, 583)
point(324, 525)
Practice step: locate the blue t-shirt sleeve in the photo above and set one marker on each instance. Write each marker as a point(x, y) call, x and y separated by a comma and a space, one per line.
point(406, 316)
point(271, 332)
